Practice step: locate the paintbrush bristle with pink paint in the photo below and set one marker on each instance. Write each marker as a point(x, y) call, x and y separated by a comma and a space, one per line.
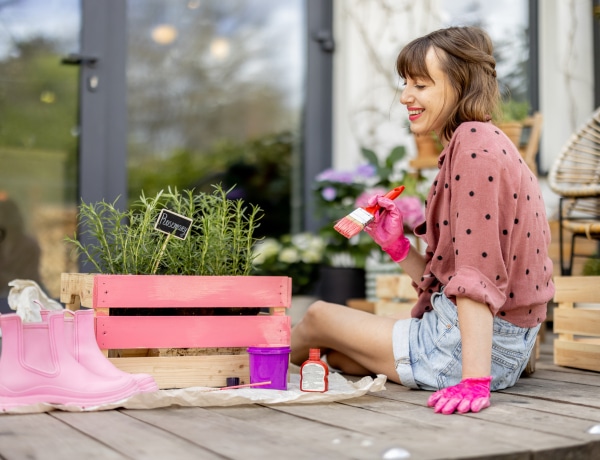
point(358, 219)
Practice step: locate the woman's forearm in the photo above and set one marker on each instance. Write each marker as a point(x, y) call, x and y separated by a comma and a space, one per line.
point(414, 265)
point(476, 328)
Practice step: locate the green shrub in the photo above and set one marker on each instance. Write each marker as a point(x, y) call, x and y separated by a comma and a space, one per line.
point(592, 266)
point(219, 243)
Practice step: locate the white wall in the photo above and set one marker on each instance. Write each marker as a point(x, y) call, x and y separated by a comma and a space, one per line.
point(566, 72)
point(367, 112)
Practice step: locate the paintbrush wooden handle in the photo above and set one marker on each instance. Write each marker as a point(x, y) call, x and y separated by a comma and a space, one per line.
point(392, 195)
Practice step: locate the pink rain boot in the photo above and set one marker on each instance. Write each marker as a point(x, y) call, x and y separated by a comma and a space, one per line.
point(36, 367)
point(79, 333)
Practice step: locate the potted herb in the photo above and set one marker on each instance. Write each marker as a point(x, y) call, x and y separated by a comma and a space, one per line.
point(220, 239)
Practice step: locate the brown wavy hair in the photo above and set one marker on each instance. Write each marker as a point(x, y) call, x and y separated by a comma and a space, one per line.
point(466, 57)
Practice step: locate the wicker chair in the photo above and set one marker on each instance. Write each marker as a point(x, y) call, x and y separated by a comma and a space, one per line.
point(575, 176)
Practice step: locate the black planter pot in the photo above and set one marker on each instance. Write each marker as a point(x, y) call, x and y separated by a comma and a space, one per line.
point(338, 284)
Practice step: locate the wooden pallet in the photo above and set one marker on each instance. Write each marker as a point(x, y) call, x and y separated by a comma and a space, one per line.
point(157, 344)
point(577, 326)
point(395, 295)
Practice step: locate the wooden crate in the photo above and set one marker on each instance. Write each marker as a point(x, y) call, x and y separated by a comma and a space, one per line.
point(577, 326)
point(395, 295)
point(154, 344)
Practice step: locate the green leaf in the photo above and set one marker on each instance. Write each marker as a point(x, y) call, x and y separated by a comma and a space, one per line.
point(370, 156)
point(395, 155)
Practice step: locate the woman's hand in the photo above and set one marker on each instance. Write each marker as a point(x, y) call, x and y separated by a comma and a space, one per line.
point(387, 228)
point(469, 395)
point(473, 392)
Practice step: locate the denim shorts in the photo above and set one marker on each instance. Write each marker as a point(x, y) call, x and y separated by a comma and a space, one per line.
point(428, 351)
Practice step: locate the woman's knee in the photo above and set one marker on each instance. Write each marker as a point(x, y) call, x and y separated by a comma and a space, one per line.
point(311, 317)
point(321, 313)
point(315, 310)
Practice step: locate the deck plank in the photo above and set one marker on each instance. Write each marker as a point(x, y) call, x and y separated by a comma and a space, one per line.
point(132, 437)
point(566, 392)
point(41, 436)
point(230, 437)
point(526, 431)
point(405, 429)
point(301, 430)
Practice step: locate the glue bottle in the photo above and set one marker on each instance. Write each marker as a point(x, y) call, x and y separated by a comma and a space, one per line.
point(314, 373)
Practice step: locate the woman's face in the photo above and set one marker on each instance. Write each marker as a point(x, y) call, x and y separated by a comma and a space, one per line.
point(429, 102)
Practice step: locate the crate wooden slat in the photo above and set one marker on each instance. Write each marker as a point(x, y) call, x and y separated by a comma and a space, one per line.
point(395, 294)
point(577, 289)
point(141, 291)
point(192, 331)
point(188, 371)
point(122, 335)
point(578, 327)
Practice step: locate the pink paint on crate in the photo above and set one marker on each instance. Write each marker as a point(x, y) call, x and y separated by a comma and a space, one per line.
point(139, 291)
point(115, 332)
point(160, 291)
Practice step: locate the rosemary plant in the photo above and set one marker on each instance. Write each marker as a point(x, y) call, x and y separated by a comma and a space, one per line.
point(219, 242)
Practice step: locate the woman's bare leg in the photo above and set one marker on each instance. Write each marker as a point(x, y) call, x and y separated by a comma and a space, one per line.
point(362, 339)
point(340, 361)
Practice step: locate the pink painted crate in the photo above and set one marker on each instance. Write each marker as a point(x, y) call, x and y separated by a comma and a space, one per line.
point(127, 334)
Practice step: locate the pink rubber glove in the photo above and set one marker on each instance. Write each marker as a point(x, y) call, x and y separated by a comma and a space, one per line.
point(469, 395)
point(387, 228)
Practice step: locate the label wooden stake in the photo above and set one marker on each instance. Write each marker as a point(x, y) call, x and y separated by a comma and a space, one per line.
point(172, 224)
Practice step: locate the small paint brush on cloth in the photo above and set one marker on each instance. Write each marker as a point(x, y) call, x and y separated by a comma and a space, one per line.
point(234, 387)
point(358, 219)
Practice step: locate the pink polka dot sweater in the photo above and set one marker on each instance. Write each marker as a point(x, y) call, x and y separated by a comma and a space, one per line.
point(486, 230)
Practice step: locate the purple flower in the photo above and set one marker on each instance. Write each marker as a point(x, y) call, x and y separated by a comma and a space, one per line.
point(329, 193)
point(326, 174)
point(366, 170)
point(332, 175)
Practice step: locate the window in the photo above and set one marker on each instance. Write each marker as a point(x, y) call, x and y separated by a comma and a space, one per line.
point(215, 92)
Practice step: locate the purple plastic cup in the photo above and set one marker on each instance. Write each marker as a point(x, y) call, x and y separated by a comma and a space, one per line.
point(269, 364)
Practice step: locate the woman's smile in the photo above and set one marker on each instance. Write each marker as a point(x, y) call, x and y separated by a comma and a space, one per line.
point(414, 113)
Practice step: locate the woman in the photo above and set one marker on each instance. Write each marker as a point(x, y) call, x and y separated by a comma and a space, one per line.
point(485, 279)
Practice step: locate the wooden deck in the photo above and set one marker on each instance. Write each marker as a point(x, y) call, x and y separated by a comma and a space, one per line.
point(545, 416)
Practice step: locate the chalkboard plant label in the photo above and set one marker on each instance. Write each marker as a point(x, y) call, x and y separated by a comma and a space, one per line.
point(174, 224)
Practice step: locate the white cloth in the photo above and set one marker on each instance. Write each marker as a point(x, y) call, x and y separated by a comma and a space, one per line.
point(27, 298)
point(339, 389)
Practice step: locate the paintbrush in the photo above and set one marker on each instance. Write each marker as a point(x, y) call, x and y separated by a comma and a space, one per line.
point(358, 219)
point(234, 387)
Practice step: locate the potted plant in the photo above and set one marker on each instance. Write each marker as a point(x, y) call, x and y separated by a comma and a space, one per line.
point(219, 240)
point(511, 117)
point(174, 295)
point(297, 256)
point(428, 146)
point(338, 193)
